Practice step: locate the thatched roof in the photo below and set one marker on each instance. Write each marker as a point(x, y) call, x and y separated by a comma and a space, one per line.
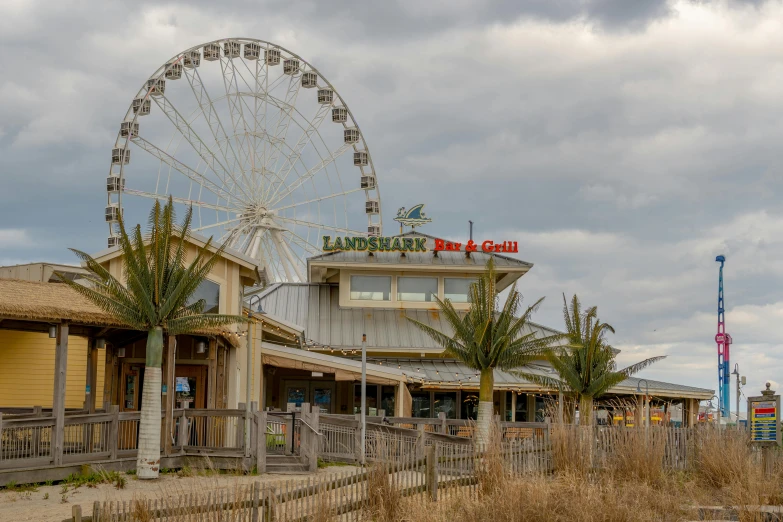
point(36, 301)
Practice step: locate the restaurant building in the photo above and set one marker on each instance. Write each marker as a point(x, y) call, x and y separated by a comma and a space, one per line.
point(369, 290)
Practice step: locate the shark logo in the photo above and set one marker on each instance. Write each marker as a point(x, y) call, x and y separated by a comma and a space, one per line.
point(413, 217)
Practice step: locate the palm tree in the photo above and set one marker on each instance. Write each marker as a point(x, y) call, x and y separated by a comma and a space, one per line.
point(586, 363)
point(485, 337)
point(156, 297)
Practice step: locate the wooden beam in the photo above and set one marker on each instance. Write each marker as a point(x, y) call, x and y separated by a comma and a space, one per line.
point(214, 393)
point(91, 384)
point(58, 399)
point(109, 375)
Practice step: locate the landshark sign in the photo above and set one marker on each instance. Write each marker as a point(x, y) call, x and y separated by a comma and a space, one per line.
point(413, 217)
point(374, 244)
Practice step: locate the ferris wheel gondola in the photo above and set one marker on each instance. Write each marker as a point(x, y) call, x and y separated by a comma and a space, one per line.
point(235, 129)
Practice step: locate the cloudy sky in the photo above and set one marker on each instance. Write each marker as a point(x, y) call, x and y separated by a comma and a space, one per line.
point(623, 144)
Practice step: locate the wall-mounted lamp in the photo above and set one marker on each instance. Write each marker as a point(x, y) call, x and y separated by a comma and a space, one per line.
point(52, 332)
point(100, 343)
point(121, 352)
point(201, 347)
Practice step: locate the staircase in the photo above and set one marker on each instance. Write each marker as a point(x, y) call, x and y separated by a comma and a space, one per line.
point(282, 464)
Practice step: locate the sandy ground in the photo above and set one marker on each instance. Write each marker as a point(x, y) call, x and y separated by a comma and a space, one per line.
point(53, 503)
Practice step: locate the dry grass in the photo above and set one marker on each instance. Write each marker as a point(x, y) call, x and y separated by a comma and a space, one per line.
point(383, 501)
point(590, 483)
point(564, 498)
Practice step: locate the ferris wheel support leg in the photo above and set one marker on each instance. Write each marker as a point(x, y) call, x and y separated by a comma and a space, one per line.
point(287, 255)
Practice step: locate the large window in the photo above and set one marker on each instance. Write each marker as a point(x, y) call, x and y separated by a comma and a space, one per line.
point(371, 288)
point(417, 289)
point(470, 402)
point(210, 293)
point(420, 404)
point(457, 289)
point(371, 397)
point(388, 394)
point(446, 402)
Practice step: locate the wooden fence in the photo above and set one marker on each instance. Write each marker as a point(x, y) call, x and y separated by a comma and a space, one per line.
point(445, 471)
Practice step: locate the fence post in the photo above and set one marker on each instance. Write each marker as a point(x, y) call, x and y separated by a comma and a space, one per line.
point(420, 442)
point(256, 494)
point(269, 506)
point(96, 511)
point(114, 430)
point(76, 512)
point(432, 475)
point(442, 428)
point(261, 441)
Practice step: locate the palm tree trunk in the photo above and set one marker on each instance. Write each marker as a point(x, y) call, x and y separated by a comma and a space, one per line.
point(148, 459)
point(585, 410)
point(485, 409)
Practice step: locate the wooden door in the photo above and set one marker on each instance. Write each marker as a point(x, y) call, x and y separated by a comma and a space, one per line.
point(190, 386)
point(131, 386)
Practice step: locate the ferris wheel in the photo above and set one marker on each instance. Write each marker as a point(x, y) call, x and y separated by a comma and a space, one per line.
point(235, 129)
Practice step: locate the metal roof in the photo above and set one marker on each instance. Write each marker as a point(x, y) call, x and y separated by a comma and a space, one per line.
point(452, 373)
point(316, 307)
point(476, 260)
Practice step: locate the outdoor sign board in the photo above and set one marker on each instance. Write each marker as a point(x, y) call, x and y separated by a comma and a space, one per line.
point(412, 244)
point(764, 416)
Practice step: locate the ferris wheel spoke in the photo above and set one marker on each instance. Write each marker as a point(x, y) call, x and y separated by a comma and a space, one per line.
point(233, 97)
point(319, 226)
point(304, 139)
point(310, 173)
point(283, 122)
point(198, 145)
point(213, 120)
point(219, 224)
point(316, 200)
point(183, 169)
point(304, 243)
point(184, 201)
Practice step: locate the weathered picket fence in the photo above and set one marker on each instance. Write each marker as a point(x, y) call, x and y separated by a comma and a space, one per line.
point(446, 470)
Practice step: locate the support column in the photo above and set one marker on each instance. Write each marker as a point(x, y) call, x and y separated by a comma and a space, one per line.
point(212, 384)
point(89, 384)
point(513, 406)
point(58, 399)
point(169, 365)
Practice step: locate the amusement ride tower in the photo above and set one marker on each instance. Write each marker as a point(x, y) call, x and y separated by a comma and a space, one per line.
point(723, 341)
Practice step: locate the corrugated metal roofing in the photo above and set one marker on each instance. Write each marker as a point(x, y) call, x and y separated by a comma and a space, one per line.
point(316, 307)
point(445, 258)
point(449, 372)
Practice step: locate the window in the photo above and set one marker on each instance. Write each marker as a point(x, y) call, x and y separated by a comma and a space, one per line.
point(446, 402)
point(388, 394)
point(371, 288)
point(470, 402)
point(210, 293)
point(371, 396)
point(521, 407)
point(457, 289)
point(417, 289)
point(420, 404)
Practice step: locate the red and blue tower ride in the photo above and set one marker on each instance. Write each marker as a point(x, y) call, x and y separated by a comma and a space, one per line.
point(723, 341)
